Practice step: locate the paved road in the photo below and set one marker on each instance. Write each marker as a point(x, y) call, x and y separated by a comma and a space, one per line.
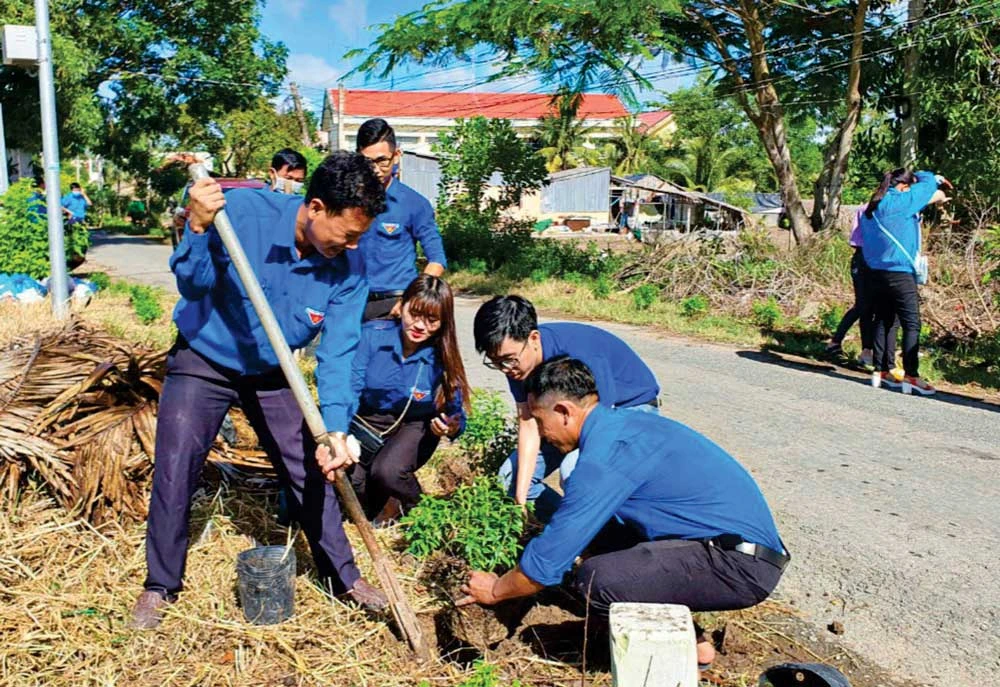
point(889, 504)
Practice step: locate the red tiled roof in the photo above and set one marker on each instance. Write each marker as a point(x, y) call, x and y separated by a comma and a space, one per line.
point(647, 120)
point(442, 104)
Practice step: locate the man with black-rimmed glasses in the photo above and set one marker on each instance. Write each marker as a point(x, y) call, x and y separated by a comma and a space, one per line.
point(508, 335)
point(390, 247)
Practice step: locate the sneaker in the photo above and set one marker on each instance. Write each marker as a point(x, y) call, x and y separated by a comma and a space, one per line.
point(834, 351)
point(865, 359)
point(148, 610)
point(886, 379)
point(368, 597)
point(911, 384)
point(897, 373)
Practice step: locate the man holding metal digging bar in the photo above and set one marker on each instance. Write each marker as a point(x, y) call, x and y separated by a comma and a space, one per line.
point(302, 252)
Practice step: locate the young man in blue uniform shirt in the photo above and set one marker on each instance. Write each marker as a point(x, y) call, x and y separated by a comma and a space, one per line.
point(507, 332)
point(390, 248)
point(302, 253)
point(76, 203)
point(682, 521)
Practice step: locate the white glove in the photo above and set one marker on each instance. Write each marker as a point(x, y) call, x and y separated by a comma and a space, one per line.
point(353, 446)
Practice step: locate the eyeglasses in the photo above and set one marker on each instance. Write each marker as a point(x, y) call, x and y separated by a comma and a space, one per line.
point(508, 363)
point(382, 162)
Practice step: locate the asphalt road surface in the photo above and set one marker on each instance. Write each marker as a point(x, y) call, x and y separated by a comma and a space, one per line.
point(889, 504)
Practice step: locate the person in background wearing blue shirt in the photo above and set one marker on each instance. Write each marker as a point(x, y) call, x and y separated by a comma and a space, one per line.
point(301, 250)
point(508, 335)
point(412, 391)
point(288, 171)
point(681, 521)
point(890, 242)
point(390, 248)
point(76, 203)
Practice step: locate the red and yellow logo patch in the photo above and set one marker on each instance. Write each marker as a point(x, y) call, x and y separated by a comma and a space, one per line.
point(315, 316)
point(390, 227)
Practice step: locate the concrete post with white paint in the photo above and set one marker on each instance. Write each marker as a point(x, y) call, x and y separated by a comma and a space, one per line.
point(652, 645)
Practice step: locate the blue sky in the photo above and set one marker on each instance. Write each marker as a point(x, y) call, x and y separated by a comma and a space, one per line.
point(315, 59)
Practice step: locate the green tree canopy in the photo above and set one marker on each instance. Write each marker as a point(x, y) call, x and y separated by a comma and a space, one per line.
point(123, 70)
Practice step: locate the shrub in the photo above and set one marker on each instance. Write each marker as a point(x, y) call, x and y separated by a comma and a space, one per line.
point(766, 314)
point(645, 296)
point(602, 288)
point(476, 266)
point(830, 317)
point(538, 276)
point(100, 279)
point(145, 303)
point(478, 523)
point(490, 434)
point(574, 278)
point(24, 238)
point(693, 306)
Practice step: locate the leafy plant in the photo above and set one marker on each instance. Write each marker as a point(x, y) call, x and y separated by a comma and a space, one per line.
point(479, 523)
point(24, 237)
point(645, 296)
point(830, 317)
point(100, 279)
point(693, 306)
point(476, 266)
point(489, 435)
point(483, 675)
point(766, 314)
point(145, 303)
point(602, 288)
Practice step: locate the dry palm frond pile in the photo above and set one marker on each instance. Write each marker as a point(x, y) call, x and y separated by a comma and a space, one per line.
point(78, 411)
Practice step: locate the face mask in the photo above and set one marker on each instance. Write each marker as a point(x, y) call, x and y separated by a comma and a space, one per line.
point(286, 186)
point(77, 193)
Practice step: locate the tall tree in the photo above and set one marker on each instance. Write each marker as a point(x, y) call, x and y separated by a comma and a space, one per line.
point(124, 68)
point(637, 151)
point(763, 50)
point(562, 135)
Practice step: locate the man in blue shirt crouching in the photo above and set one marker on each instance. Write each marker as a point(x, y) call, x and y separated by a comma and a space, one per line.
point(508, 335)
point(302, 251)
point(680, 521)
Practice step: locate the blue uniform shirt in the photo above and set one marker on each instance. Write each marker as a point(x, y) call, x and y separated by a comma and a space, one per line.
point(308, 295)
point(390, 246)
point(661, 478)
point(898, 211)
point(623, 379)
point(76, 205)
point(383, 380)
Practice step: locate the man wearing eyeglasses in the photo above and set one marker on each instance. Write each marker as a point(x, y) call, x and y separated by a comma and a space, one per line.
point(390, 248)
point(507, 332)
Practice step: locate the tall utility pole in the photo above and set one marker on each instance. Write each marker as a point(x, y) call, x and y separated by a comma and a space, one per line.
point(300, 114)
point(4, 181)
point(58, 290)
point(340, 116)
point(910, 124)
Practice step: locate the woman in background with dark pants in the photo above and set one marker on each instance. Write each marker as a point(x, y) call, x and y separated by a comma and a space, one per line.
point(890, 233)
point(412, 391)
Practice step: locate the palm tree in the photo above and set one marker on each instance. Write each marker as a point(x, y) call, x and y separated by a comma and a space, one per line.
point(562, 136)
point(700, 166)
point(636, 150)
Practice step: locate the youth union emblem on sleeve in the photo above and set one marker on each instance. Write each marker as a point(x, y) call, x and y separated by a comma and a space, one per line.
point(315, 316)
point(390, 227)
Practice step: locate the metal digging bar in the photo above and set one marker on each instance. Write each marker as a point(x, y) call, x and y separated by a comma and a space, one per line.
point(406, 619)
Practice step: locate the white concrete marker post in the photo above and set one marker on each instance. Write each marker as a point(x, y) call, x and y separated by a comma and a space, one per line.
point(652, 645)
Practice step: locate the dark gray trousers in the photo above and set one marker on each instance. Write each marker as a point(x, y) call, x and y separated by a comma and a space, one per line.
point(196, 396)
point(672, 571)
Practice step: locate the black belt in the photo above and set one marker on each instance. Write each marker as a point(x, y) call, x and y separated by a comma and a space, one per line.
point(383, 295)
point(734, 542)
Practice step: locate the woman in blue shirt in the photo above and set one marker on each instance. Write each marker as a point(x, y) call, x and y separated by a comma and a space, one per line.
point(890, 242)
point(412, 390)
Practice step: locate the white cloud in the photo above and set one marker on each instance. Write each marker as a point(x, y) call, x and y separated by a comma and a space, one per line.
point(312, 71)
point(292, 8)
point(350, 17)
